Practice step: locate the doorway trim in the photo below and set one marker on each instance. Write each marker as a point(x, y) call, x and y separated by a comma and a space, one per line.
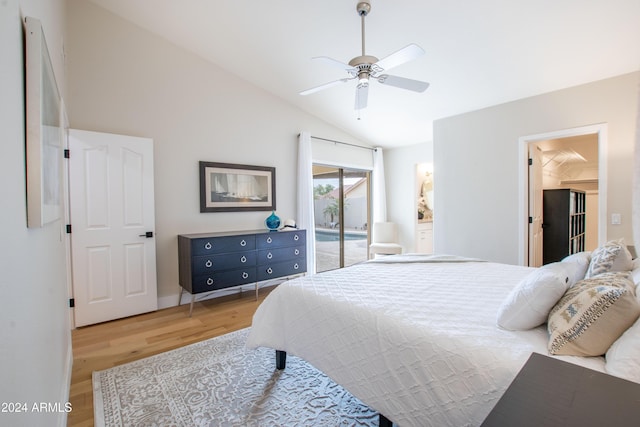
point(601, 130)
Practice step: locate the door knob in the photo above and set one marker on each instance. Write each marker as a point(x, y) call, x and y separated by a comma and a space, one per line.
point(148, 234)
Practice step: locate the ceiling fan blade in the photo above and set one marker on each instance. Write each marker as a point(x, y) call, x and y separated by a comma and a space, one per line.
point(334, 63)
point(325, 86)
point(362, 94)
point(403, 83)
point(406, 54)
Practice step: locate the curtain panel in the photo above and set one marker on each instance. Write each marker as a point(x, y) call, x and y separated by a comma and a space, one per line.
point(304, 213)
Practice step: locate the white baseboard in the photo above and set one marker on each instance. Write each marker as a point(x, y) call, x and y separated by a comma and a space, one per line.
point(167, 301)
point(66, 384)
point(172, 300)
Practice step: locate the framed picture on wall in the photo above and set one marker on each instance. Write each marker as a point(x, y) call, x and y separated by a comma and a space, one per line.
point(226, 187)
point(44, 132)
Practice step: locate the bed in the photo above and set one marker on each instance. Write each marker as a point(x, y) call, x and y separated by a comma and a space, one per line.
point(412, 336)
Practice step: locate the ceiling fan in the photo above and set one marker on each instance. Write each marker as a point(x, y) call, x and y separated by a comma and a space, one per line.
point(364, 67)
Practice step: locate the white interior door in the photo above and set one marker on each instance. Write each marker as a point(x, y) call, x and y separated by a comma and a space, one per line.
point(535, 206)
point(112, 212)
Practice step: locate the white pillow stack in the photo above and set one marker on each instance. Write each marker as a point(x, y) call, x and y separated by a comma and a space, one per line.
point(531, 301)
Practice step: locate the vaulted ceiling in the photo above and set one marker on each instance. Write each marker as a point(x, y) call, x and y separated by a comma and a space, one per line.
point(478, 53)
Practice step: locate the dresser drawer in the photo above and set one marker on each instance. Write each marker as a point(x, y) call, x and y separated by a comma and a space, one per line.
point(223, 279)
point(268, 256)
point(217, 262)
point(280, 269)
point(280, 239)
point(216, 245)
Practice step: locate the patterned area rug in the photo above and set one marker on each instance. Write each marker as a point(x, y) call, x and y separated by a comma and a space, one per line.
point(219, 382)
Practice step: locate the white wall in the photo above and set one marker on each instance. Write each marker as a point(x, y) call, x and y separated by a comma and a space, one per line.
point(400, 174)
point(123, 79)
point(476, 193)
point(35, 339)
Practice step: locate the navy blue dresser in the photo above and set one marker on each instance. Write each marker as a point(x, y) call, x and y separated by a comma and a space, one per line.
point(214, 261)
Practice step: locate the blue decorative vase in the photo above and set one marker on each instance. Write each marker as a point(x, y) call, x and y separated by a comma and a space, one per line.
point(273, 221)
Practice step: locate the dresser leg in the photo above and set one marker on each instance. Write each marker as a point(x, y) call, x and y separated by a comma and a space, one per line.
point(193, 298)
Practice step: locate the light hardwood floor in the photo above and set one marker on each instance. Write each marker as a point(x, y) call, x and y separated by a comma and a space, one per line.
point(121, 341)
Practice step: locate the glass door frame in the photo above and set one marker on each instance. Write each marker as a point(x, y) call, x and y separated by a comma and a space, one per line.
point(340, 171)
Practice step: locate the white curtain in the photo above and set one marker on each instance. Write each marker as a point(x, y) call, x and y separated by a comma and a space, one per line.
point(636, 184)
point(304, 212)
point(379, 202)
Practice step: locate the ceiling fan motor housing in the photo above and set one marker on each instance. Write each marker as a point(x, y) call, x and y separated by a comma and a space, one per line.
point(364, 66)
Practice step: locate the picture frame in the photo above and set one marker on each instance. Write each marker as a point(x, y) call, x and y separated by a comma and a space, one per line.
point(227, 187)
point(44, 130)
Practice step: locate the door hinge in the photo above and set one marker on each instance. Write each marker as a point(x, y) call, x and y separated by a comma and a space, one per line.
point(530, 220)
point(68, 228)
point(67, 153)
point(530, 162)
point(72, 302)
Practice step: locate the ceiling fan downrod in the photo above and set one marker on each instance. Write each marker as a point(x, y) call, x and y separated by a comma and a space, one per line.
point(363, 9)
point(363, 62)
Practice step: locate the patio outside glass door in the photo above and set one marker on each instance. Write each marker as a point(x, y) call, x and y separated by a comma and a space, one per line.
point(341, 208)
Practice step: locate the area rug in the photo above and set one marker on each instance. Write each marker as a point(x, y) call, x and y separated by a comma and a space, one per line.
point(219, 382)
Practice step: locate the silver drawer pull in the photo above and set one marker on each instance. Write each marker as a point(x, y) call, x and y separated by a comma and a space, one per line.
point(207, 246)
point(297, 252)
point(243, 259)
point(269, 255)
point(243, 243)
point(296, 266)
point(296, 237)
point(209, 281)
point(269, 240)
point(270, 270)
point(245, 274)
point(208, 263)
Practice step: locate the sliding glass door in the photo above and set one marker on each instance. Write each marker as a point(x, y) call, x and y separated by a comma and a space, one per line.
point(341, 209)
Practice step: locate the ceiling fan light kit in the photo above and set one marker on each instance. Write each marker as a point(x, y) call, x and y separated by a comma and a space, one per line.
point(365, 67)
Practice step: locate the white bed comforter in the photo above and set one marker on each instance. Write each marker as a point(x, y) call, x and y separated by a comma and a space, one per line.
point(416, 341)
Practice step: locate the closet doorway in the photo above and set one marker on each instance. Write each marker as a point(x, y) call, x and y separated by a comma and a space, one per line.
point(573, 159)
point(342, 211)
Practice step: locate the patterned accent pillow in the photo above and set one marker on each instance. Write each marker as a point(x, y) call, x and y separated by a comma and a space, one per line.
point(603, 257)
point(592, 315)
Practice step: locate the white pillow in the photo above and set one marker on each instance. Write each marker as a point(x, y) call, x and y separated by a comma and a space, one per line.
point(623, 357)
point(635, 272)
point(529, 303)
point(582, 259)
